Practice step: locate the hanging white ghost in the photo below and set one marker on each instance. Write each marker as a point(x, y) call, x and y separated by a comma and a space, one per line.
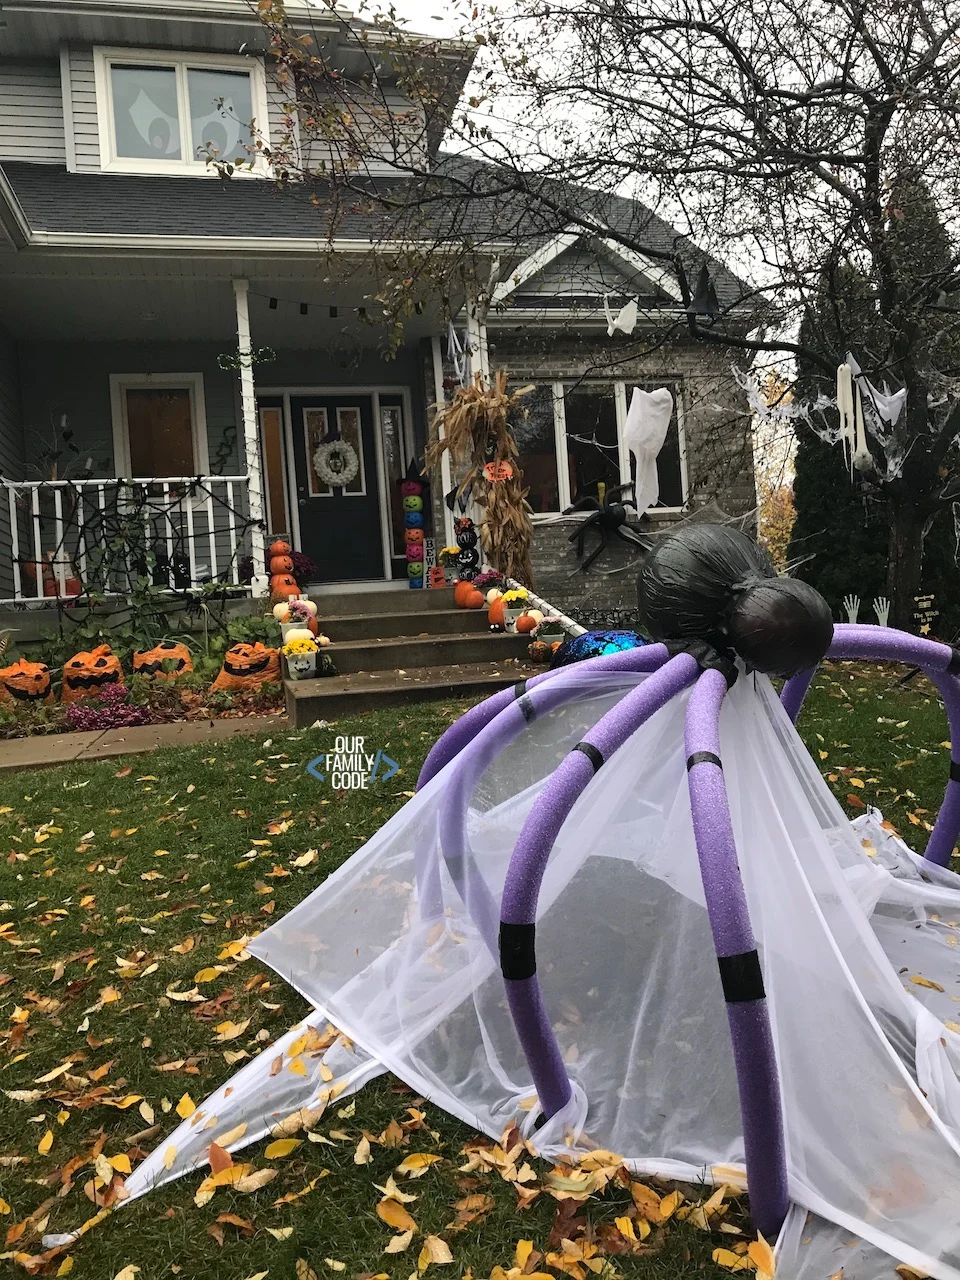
point(645, 430)
point(625, 320)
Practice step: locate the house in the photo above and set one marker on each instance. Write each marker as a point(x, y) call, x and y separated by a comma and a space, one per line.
point(174, 348)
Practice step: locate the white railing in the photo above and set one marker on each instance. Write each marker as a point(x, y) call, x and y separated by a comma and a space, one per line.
point(98, 537)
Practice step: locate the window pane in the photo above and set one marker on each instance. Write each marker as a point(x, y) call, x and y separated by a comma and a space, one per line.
point(532, 426)
point(391, 430)
point(348, 426)
point(145, 114)
point(160, 423)
point(593, 455)
point(221, 108)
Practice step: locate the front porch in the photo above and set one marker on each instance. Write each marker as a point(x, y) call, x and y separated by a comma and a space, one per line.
point(163, 428)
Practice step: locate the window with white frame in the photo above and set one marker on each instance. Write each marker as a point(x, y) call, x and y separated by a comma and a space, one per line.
point(159, 426)
point(172, 113)
point(570, 438)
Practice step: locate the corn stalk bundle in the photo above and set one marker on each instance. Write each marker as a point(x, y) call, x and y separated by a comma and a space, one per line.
point(475, 428)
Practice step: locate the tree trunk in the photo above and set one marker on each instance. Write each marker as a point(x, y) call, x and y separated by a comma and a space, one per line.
point(904, 561)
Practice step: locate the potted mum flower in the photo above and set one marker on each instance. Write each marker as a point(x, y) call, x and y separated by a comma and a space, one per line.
point(514, 604)
point(301, 652)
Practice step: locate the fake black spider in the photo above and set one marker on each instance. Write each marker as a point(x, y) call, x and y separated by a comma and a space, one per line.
point(608, 518)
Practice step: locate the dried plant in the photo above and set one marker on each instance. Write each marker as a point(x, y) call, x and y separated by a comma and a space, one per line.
point(474, 428)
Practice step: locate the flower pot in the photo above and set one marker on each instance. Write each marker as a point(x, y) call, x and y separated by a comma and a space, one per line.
point(511, 613)
point(302, 666)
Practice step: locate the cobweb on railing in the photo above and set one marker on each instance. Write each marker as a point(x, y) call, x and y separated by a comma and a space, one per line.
point(116, 538)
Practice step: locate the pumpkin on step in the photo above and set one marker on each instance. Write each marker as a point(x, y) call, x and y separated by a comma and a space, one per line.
point(88, 673)
point(525, 624)
point(539, 651)
point(462, 588)
point(26, 682)
point(282, 587)
point(495, 614)
point(475, 600)
point(165, 661)
point(246, 667)
point(278, 548)
point(280, 564)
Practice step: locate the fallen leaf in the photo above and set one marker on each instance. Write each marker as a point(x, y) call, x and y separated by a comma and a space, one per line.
point(169, 1156)
point(669, 1204)
point(417, 1164)
point(186, 1107)
point(281, 1233)
point(921, 981)
point(732, 1261)
point(435, 1252)
point(334, 1264)
point(129, 1271)
point(219, 1159)
point(761, 1255)
point(304, 1271)
point(46, 1142)
point(399, 1243)
point(254, 1181)
point(395, 1215)
point(282, 1148)
point(362, 1154)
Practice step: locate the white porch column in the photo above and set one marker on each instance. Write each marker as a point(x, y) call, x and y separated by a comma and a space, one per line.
point(477, 337)
point(251, 436)
point(446, 469)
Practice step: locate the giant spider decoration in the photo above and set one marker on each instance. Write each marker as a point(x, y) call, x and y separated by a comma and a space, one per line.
point(624, 913)
point(608, 517)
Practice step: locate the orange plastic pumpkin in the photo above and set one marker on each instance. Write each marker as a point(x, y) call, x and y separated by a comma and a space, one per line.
point(280, 564)
point(279, 548)
point(474, 600)
point(525, 624)
point(87, 674)
point(437, 578)
point(246, 667)
point(495, 613)
point(165, 661)
point(282, 586)
point(414, 536)
point(26, 682)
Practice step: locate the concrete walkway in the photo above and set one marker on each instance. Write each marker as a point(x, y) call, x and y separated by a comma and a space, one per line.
point(101, 744)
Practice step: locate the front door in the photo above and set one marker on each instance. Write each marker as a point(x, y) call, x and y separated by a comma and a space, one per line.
point(339, 523)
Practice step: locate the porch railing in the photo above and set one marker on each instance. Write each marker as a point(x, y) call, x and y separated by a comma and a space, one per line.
point(101, 537)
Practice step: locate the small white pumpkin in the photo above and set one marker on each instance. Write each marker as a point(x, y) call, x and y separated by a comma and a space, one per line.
point(493, 594)
point(298, 633)
point(281, 610)
point(536, 615)
point(322, 640)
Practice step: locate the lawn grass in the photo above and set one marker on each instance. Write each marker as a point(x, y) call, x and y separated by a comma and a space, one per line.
point(109, 866)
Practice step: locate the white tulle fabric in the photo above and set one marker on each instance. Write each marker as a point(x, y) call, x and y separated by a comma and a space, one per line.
point(845, 918)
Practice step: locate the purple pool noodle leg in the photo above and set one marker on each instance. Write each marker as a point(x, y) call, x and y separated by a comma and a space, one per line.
point(527, 866)
point(940, 663)
point(464, 730)
point(794, 692)
point(488, 743)
point(747, 1012)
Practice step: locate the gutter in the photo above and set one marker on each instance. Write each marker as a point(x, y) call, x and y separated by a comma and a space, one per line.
point(87, 241)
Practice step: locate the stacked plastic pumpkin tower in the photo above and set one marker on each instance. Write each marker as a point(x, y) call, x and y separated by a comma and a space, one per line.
point(411, 490)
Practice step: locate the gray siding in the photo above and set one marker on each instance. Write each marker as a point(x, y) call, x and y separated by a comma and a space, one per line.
point(11, 448)
point(31, 113)
point(83, 109)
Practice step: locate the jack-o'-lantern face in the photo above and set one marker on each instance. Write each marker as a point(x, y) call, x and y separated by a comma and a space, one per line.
point(282, 586)
point(411, 488)
point(497, 472)
point(281, 564)
point(279, 548)
point(413, 502)
point(26, 682)
point(165, 661)
point(413, 537)
point(86, 675)
point(413, 520)
point(247, 666)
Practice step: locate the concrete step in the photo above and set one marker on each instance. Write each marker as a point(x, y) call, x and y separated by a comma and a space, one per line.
point(331, 604)
point(405, 652)
point(344, 695)
point(378, 626)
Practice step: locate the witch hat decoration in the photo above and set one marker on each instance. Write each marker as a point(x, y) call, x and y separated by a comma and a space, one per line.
point(704, 301)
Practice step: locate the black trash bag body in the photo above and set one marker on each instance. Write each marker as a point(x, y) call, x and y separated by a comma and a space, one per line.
point(712, 583)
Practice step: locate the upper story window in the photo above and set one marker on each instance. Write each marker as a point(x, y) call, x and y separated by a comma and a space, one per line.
point(172, 113)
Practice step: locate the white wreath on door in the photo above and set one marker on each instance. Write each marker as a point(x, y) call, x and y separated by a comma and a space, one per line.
point(336, 463)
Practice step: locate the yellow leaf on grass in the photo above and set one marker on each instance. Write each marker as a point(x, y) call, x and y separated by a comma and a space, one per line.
point(334, 1264)
point(399, 1243)
point(625, 1227)
point(121, 1163)
point(856, 782)
point(280, 1149)
point(46, 1142)
point(416, 1165)
point(254, 1181)
point(434, 1252)
point(304, 1271)
point(4, 1207)
point(146, 1111)
point(761, 1255)
point(261, 1275)
point(362, 1154)
point(522, 1253)
point(732, 1261)
point(670, 1204)
point(206, 975)
point(281, 1233)
point(127, 1273)
point(395, 1215)
point(186, 1107)
point(66, 1266)
point(920, 981)
point(647, 1201)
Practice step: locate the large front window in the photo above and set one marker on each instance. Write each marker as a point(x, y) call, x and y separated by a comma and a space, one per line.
point(176, 113)
point(570, 441)
point(159, 426)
